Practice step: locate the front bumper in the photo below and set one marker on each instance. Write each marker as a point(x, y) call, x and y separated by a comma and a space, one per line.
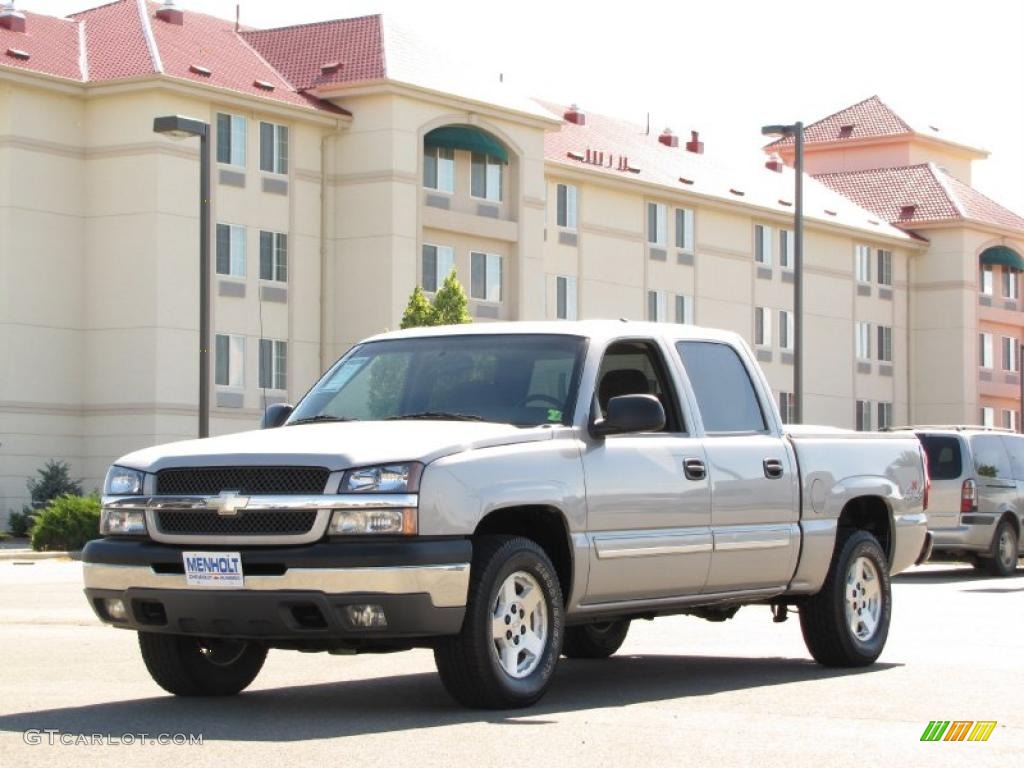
point(291, 593)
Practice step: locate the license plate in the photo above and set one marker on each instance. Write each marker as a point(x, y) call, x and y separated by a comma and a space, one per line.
point(216, 570)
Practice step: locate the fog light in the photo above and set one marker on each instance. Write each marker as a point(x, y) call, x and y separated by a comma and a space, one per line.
point(367, 616)
point(114, 608)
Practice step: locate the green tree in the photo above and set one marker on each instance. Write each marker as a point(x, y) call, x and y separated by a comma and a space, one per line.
point(418, 312)
point(54, 480)
point(451, 307)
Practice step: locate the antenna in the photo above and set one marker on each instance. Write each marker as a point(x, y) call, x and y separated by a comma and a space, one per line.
point(238, 16)
point(647, 130)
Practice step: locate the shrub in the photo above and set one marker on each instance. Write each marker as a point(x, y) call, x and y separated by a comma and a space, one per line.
point(67, 524)
point(451, 307)
point(20, 523)
point(54, 480)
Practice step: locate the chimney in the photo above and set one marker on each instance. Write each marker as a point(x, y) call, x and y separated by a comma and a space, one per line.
point(668, 138)
point(10, 18)
point(170, 13)
point(573, 115)
point(774, 163)
point(695, 145)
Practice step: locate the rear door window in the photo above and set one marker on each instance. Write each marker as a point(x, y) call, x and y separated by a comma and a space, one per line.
point(1015, 447)
point(944, 460)
point(990, 459)
point(725, 394)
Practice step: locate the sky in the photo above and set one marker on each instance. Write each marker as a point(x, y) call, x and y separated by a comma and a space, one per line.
point(725, 67)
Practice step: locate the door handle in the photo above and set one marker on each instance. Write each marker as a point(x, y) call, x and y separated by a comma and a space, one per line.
point(694, 469)
point(773, 469)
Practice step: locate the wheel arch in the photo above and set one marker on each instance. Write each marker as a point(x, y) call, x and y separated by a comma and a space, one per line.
point(872, 514)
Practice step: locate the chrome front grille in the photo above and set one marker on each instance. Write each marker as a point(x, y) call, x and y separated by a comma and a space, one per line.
point(269, 522)
point(248, 481)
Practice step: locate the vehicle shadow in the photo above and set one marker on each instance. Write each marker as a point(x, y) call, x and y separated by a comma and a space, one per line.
point(404, 702)
point(951, 573)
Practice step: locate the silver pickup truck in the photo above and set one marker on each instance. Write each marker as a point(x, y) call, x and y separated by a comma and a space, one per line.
point(505, 494)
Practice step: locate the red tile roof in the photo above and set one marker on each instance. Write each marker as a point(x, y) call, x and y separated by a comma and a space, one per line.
point(914, 194)
point(115, 41)
point(52, 45)
point(865, 119)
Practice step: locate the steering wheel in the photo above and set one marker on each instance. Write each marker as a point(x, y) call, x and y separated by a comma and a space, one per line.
point(549, 399)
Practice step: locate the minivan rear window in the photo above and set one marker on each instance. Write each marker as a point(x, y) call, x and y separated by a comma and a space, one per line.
point(944, 462)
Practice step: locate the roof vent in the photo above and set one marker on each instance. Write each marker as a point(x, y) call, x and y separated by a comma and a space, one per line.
point(668, 138)
point(330, 67)
point(737, 192)
point(170, 13)
point(204, 71)
point(686, 181)
point(845, 131)
point(573, 115)
point(11, 19)
point(17, 53)
point(907, 211)
point(830, 213)
point(774, 163)
point(263, 85)
point(695, 145)
point(786, 203)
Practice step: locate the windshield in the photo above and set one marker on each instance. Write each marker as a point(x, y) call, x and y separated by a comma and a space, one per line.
point(526, 380)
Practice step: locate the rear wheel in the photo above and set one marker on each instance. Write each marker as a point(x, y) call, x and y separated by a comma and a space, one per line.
point(846, 624)
point(595, 641)
point(196, 666)
point(1004, 551)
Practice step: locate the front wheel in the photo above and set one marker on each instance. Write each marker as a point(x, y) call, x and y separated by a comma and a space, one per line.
point(196, 666)
point(511, 637)
point(1004, 551)
point(846, 624)
point(595, 641)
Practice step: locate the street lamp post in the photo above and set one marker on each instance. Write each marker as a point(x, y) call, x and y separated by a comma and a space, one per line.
point(796, 130)
point(178, 127)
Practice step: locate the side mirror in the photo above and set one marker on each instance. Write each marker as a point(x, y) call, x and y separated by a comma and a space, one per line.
point(630, 413)
point(276, 415)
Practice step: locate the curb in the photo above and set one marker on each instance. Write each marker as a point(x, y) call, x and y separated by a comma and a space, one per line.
point(28, 554)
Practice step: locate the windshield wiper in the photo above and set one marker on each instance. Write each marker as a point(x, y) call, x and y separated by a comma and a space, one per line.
point(437, 416)
point(321, 417)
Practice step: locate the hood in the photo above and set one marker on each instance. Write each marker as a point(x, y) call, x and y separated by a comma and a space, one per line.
point(335, 445)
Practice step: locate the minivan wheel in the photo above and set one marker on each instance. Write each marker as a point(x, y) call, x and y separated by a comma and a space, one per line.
point(595, 641)
point(1004, 551)
point(846, 624)
point(511, 637)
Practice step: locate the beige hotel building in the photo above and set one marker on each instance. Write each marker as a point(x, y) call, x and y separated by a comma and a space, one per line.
point(351, 164)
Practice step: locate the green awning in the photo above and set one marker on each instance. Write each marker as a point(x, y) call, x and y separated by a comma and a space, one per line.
point(1000, 254)
point(466, 137)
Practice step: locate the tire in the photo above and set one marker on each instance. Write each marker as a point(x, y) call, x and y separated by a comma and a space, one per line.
point(594, 641)
point(474, 665)
point(193, 666)
point(857, 593)
point(1005, 548)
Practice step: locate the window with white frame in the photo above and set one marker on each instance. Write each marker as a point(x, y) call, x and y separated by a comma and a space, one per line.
point(273, 364)
point(565, 214)
point(566, 298)
point(439, 168)
point(985, 350)
point(786, 329)
point(863, 415)
point(273, 148)
point(1010, 419)
point(684, 229)
point(657, 225)
point(486, 176)
point(988, 416)
point(231, 139)
point(1009, 345)
point(985, 285)
point(762, 326)
point(862, 340)
point(884, 415)
point(885, 343)
point(684, 309)
point(863, 263)
point(763, 244)
point(438, 262)
point(786, 248)
point(230, 361)
point(786, 411)
point(485, 276)
point(1011, 283)
point(274, 256)
point(657, 306)
point(231, 250)
point(884, 267)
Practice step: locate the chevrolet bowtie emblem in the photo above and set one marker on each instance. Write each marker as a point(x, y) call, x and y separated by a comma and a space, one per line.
point(228, 503)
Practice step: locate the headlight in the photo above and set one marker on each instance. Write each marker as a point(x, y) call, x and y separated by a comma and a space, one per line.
point(388, 478)
point(348, 522)
point(122, 522)
point(122, 481)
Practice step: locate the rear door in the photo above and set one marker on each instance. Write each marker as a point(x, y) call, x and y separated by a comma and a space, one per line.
point(997, 490)
point(754, 482)
point(947, 470)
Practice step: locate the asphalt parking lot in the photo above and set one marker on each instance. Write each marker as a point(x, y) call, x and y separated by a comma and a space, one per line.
point(681, 692)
